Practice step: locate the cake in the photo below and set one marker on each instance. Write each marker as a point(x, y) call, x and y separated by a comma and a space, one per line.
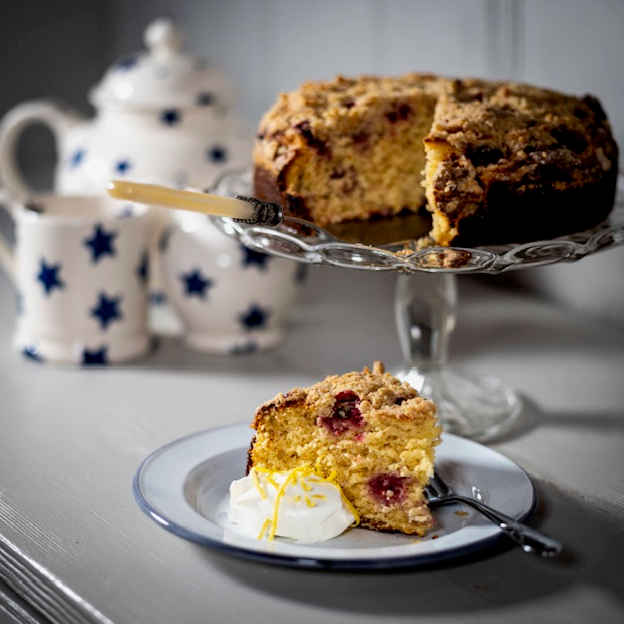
point(367, 430)
point(492, 162)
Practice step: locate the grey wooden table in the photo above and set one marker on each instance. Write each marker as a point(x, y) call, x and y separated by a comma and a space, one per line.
point(75, 548)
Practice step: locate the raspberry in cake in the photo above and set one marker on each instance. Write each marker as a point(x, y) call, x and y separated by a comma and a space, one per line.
point(374, 434)
point(497, 162)
point(346, 149)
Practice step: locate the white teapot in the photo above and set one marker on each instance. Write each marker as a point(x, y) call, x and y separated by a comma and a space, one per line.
point(162, 117)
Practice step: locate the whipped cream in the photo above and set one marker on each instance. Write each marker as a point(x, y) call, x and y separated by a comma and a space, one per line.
point(306, 508)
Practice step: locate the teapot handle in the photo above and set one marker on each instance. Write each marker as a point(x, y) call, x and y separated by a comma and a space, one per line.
point(11, 128)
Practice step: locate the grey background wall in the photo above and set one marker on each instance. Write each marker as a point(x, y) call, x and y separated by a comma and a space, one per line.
point(61, 49)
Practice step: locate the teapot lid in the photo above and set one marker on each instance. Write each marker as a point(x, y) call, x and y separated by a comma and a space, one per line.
point(162, 77)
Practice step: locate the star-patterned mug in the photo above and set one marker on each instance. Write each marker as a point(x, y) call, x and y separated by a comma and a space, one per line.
point(80, 267)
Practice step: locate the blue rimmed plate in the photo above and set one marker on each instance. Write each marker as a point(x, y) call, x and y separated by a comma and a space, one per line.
point(184, 486)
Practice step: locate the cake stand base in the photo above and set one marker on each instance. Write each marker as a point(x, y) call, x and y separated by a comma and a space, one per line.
point(479, 408)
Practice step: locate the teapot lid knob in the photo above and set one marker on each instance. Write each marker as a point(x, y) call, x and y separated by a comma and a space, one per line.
point(162, 37)
point(162, 78)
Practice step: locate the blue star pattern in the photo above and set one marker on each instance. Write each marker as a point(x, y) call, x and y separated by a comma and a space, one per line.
point(76, 158)
point(195, 284)
point(31, 353)
point(122, 167)
point(125, 213)
point(101, 243)
point(217, 154)
point(49, 276)
point(255, 317)
point(163, 241)
point(205, 98)
point(143, 268)
point(158, 297)
point(127, 63)
point(107, 310)
point(170, 117)
point(250, 256)
point(244, 349)
point(34, 207)
point(97, 356)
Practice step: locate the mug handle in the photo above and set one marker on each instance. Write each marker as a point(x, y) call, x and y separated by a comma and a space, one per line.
point(14, 122)
point(7, 261)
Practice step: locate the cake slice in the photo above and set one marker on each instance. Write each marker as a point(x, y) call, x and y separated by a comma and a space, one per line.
point(372, 432)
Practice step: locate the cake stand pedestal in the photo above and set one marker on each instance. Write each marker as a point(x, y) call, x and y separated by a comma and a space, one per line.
point(478, 407)
point(426, 306)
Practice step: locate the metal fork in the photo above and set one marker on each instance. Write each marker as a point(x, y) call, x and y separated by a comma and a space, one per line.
point(438, 493)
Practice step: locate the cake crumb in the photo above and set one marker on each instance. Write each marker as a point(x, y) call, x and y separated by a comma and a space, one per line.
point(378, 368)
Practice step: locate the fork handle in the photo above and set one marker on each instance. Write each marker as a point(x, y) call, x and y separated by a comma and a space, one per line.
point(529, 539)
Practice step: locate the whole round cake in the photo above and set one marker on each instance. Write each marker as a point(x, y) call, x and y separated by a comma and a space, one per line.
point(492, 162)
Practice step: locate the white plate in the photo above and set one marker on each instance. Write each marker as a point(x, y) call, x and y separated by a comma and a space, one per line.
point(184, 485)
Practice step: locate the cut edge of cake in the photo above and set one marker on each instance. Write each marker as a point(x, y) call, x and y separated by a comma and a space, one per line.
point(503, 162)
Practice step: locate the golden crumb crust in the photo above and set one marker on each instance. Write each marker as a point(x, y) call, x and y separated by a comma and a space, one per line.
point(335, 151)
point(376, 432)
point(503, 151)
point(496, 161)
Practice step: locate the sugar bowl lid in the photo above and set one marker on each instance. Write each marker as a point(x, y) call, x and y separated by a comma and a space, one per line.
point(164, 76)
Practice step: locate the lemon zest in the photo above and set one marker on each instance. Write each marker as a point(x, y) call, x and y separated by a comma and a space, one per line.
point(256, 481)
point(265, 525)
point(304, 471)
point(278, 500)
point(349, 506)
point(345, 500)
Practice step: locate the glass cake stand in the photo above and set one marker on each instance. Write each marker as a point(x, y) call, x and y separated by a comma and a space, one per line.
point(426, 305)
